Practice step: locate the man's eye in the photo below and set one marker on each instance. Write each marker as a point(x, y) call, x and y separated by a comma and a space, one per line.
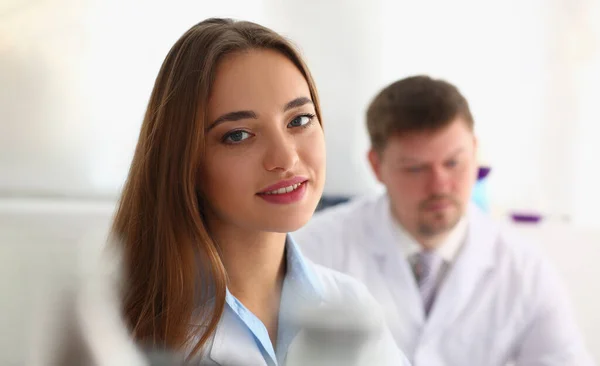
point(413, 169)
point(451, 163)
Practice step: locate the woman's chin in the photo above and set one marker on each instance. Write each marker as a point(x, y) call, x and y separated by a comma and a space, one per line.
point(288, 223)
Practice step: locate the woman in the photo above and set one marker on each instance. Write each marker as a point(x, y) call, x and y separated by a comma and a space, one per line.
point(230, 158)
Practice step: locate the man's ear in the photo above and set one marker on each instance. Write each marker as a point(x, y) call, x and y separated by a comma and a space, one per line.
point(375, 161)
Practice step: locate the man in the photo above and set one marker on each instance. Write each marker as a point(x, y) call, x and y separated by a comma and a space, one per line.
point(457, 288)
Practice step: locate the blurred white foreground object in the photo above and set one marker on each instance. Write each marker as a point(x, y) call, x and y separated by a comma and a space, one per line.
point(340, 334)
point(98, 312)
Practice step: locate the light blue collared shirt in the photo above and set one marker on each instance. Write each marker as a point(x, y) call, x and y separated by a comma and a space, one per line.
point(300, 287)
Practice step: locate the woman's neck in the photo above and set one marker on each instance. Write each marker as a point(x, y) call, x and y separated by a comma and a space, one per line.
point(256, 266)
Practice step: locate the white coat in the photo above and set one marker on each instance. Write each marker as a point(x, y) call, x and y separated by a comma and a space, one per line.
point(500, 304)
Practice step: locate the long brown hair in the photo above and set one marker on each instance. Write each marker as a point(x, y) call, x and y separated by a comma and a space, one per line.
point(173, 273)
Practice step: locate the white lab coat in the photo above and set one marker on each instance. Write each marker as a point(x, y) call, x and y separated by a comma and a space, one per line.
point(501, 303)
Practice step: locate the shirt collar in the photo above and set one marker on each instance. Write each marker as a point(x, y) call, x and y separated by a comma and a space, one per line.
point(300, 273)
point(300, 287)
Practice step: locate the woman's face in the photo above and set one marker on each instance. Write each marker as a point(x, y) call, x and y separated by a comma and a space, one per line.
point(264, 166)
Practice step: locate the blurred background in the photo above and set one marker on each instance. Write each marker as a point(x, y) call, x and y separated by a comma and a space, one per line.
point(75, 76)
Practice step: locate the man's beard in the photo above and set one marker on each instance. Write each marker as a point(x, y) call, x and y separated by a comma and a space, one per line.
point(432, 224)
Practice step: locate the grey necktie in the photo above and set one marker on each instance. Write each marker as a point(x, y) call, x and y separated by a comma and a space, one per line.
point(427, 267)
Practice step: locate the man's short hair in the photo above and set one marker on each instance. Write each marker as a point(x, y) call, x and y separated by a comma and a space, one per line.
point(414, 104)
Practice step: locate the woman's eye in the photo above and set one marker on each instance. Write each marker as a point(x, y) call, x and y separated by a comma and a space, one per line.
point(301, 121)
point(236, 136)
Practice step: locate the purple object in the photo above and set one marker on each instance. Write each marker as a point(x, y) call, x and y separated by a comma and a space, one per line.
point(483, 172)
point(526, 218)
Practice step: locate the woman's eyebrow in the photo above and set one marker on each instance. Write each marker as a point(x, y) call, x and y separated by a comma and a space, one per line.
point(233, 116)
point(298, 102)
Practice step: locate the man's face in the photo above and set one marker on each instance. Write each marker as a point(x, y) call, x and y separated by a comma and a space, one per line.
point(429, 177)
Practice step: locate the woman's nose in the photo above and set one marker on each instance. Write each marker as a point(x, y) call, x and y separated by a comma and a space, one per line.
point(281, 153)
